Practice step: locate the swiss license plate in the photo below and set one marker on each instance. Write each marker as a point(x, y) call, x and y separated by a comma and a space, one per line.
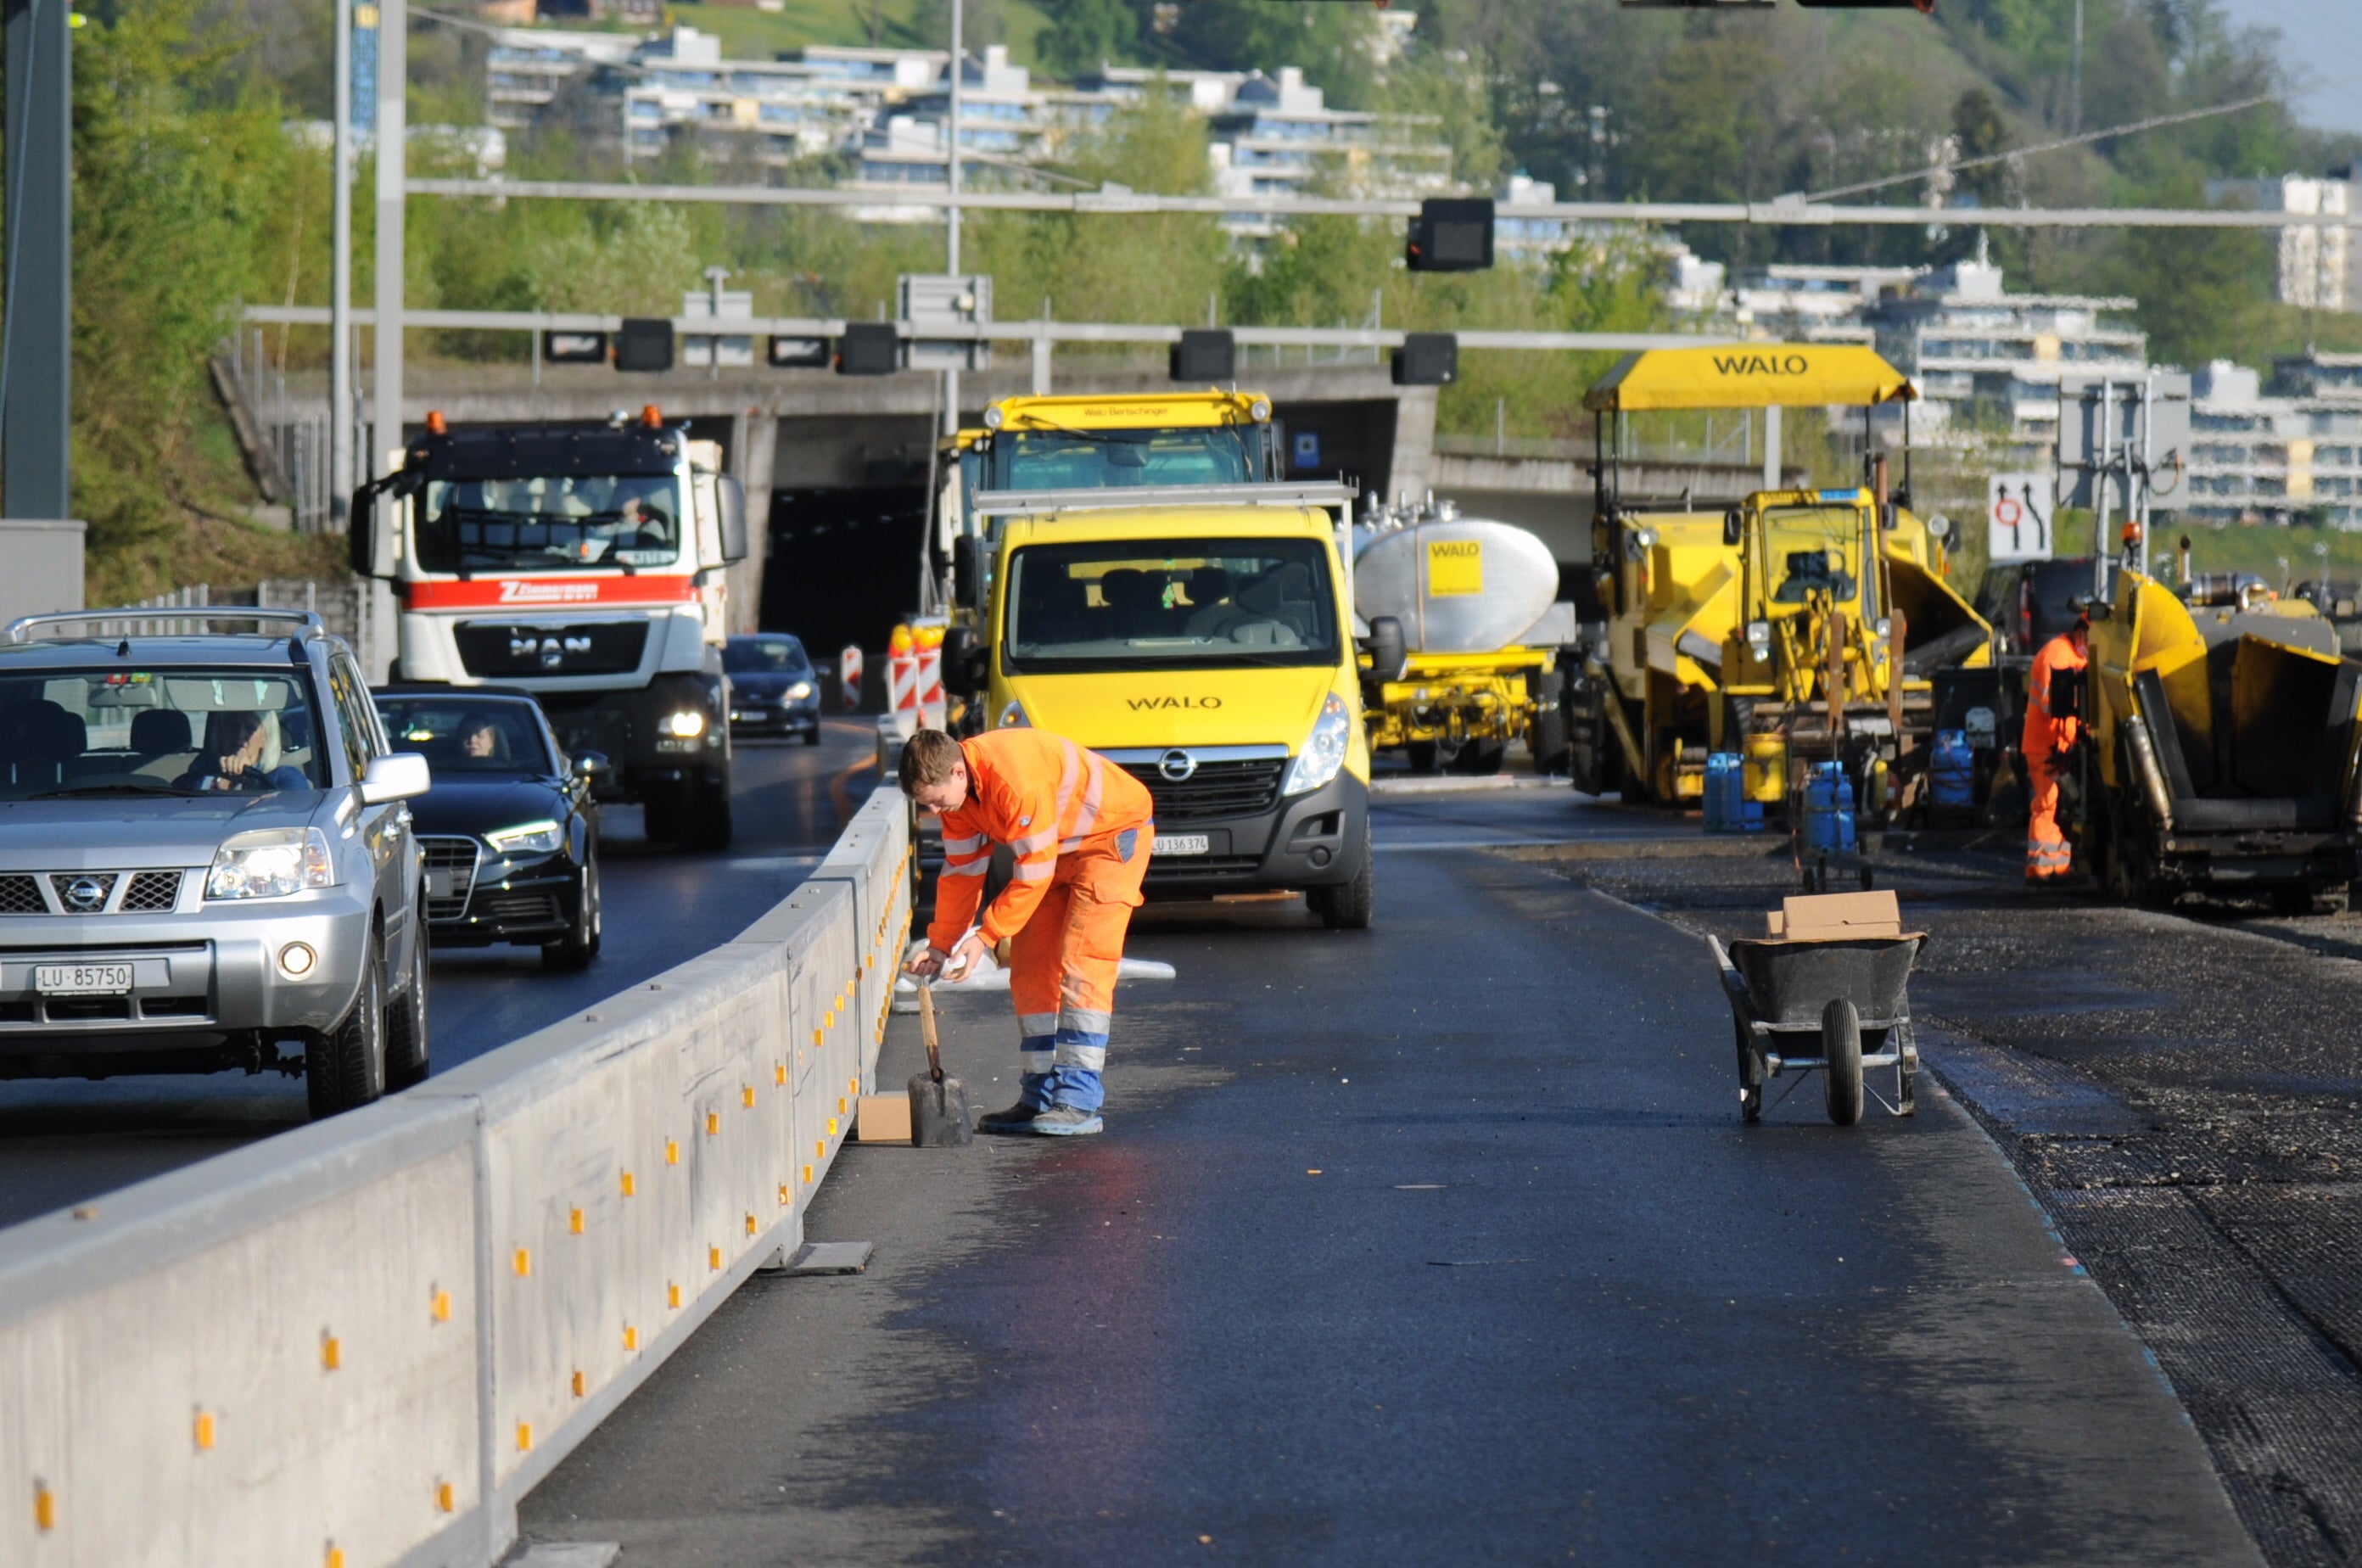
point(82, 979)
point(1179, 844)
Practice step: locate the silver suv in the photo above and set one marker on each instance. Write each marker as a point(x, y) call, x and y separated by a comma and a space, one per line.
point(205, 852)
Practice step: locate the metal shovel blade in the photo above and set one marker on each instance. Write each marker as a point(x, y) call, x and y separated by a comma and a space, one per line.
point(939, 1118)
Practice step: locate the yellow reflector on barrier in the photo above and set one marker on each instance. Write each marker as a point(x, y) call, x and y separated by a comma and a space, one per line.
point(525, 1436)
point(439, 1306)
point(627, 1184)
point(577, 1385)
point(713, 1122)
point(672, 1296)
point(446, 1500)
point(748, 1094)
point(524, 1262)
point(713, 1258)
point(205, 1432)
point(631, 1338)
point(574, 1220)
point(672, 1152)
point(45, 1507)
point(332, 1354)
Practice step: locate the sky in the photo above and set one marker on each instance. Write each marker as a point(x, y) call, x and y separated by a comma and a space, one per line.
point(2320, 40)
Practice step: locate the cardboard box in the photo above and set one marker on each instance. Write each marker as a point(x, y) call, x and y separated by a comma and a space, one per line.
point(882, 1119)
point(1822, 917)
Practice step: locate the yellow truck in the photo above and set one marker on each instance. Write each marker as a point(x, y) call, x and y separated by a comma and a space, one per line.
point(1128, 575)
point(1770, 628)
point(2221, 750)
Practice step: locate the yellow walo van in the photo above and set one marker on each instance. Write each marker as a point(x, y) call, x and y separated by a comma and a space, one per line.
point(1199, 634)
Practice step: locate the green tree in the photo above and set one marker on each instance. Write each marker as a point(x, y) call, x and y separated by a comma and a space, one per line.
point(1084, 35)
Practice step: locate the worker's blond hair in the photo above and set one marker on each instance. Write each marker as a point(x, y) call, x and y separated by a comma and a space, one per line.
point(928, 758)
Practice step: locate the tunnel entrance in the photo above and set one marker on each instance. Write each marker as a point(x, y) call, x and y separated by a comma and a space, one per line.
point(843, 565)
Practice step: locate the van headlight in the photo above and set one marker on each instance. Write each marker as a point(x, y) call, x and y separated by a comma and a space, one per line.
point(271, 863)
point(527, 838)
point(1324, 750)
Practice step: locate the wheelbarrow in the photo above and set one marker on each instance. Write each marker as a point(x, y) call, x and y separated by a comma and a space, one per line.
point(1840, 1005)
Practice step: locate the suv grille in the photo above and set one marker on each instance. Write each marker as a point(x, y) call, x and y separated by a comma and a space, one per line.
point(456, 856)
point(152, 891)
point(20, 894)
point(1216, 789)
point(588, 648)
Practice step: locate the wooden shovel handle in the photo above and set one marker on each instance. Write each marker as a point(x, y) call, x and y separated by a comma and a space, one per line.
point(927, 1029)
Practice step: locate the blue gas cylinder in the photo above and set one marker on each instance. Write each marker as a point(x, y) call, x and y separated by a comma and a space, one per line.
point(1952, 770)
point(1716, 799)
point(1828, 809)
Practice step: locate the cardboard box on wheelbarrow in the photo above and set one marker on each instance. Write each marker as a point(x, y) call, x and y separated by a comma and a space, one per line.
point(1837, 917)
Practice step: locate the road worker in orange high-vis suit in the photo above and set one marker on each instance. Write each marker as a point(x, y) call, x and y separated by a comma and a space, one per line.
point(2045, 741)
point(1079, 827)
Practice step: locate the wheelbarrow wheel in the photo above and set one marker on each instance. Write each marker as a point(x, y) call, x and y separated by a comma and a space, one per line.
point(1842, 1048)
point(1750, 1074)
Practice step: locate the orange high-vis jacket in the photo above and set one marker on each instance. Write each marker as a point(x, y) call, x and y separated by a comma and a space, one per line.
point(2044, 734)
point(1043, 796)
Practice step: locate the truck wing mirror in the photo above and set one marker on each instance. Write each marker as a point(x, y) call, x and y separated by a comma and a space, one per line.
point(2066, 694)
point(730, 495)
point(367, 559)
point(967, 571)
point(1389, 654)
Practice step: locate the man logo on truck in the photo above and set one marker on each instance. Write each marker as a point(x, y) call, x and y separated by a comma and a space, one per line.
point(550, 651)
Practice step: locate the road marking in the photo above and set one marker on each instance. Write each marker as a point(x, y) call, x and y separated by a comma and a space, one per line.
point(1425, 843)
point(773, 862)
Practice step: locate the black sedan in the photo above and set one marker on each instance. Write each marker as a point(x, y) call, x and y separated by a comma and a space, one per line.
point(510, 832)
point(774, 690)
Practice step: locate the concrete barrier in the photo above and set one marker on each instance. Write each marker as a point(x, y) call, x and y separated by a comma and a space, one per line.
point(361, 1342)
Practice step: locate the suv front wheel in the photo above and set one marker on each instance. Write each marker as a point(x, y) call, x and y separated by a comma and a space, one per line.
point(344, 1068)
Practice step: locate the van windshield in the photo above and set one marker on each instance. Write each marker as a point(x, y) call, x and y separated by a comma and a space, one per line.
point(157, 732)
point(1169, 603)
point(549, 523)
point(1107, 459)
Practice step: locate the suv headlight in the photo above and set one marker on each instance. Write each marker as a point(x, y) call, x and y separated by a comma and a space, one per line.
point(527, 838)
point(1324, 750)
point(271, 863)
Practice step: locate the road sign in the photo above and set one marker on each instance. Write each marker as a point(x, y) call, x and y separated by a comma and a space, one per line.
point(2018, 518)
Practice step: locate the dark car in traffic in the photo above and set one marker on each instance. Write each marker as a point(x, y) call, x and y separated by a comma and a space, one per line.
point(774, 690)
point(2029, 602)
point(509, 834)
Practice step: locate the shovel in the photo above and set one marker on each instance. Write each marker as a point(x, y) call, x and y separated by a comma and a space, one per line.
point(939, 1118)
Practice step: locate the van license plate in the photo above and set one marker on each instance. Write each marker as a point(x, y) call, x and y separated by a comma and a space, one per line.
point(82, 979)
point(1180, 843)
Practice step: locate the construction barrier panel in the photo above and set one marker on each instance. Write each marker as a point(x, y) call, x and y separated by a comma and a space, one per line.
point(362, 1341)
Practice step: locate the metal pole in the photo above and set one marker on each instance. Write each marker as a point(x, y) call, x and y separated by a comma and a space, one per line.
point(393, 75)
point(2075, 77)
point(952, 146)
point(35, 341)
point(2147, 455)
point(2099, 480)
point(340, 282)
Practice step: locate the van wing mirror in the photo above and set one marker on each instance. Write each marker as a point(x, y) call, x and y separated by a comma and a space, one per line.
point(965, 664)
point(729, 497)
point(1389, 653)
point(967, 570)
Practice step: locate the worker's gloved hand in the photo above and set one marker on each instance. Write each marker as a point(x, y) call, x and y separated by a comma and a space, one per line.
point(2062, 758)
point(966, 957)
point(923, 960)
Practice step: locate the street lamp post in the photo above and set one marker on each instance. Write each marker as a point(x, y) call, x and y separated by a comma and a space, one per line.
point(952, 226)
point(340, 280)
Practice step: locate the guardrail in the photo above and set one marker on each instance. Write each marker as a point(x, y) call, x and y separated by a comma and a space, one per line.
point(362, 1341)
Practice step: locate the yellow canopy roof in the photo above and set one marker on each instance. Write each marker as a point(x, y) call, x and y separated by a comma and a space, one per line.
point(1751, 375)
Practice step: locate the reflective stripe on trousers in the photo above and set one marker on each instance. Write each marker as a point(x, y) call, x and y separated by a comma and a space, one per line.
point(1062, 969)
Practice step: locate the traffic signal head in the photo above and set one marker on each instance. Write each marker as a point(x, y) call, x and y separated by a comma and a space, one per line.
point(1451, 235)
point(644, 343)
point(1205, 354)
point(869, 348)
point(1426, 359)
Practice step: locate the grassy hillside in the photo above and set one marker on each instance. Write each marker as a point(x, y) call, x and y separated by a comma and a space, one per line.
point(750, 34)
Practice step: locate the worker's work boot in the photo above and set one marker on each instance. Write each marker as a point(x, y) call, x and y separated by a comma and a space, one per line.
point(1066, 1122)
point(1018, 1118)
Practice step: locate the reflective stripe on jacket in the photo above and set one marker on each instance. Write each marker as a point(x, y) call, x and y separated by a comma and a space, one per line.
point(1043, 796)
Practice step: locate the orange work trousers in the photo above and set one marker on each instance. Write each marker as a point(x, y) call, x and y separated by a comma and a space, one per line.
point(1063, 964)
point(2047, 853)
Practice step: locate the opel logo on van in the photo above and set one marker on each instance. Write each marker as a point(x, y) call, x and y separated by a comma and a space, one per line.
point(1177, 765)
point(85, 894)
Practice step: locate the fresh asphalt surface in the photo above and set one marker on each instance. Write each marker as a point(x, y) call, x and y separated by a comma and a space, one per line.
point(1440, 1243)
point(66, 1140)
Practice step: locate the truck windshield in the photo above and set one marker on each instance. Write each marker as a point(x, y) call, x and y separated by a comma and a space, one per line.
point(157, 732)
point(1107, 459)
point(1812, 550)
point(549, 523)
point(1169, 603)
